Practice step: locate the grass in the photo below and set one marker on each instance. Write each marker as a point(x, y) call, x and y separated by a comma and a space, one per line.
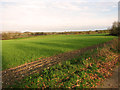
point(85, 71)
point(19, 51)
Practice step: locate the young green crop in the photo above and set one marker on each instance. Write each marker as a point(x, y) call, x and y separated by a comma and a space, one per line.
point(19, 51)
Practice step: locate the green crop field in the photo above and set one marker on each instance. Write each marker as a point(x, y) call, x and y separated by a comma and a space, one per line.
point(19, 51)
point(85, 71)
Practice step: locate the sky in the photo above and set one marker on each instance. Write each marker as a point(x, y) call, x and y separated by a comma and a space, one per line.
point(57, 15)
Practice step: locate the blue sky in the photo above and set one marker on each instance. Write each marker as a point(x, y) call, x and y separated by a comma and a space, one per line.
point(57, 15)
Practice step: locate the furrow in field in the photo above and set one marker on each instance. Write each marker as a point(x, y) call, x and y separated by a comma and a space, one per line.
point(21, 66)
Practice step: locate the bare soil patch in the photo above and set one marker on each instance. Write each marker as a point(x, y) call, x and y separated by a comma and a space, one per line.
point(113, 81)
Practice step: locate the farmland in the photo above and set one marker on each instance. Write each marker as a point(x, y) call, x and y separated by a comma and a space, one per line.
point(19, 51)
point(85, 71)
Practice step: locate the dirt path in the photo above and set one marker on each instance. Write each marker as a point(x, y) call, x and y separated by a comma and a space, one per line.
point(113, 81)
point(19, 72)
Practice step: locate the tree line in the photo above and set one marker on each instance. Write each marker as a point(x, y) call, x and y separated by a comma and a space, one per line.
point(15, 35)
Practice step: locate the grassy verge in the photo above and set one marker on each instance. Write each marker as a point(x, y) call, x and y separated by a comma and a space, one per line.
point(85, 71)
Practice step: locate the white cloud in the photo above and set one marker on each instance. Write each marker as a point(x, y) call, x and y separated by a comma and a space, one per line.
point(68, 6)
point(114, 6)
point(106, 10)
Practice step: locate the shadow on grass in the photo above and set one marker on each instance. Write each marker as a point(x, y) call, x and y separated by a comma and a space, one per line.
point(71, 44)
point(98, 35)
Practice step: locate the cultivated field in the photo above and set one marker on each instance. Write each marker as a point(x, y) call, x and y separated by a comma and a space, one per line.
point(19, 51)
point(88, 70)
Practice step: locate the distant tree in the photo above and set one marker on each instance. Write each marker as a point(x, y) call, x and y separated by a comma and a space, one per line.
point(115, 30)
point(6, 36)
point(39, 33)
point(89, 32)
point(96, 31)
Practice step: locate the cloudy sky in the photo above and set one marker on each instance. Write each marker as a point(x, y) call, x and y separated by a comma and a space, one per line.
point(57, 15)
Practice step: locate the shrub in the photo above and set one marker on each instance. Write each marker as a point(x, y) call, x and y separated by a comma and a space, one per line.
point(115, 30)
